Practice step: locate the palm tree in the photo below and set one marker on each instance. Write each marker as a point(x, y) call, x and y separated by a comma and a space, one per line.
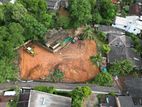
point(97, 59)
point(88, 33)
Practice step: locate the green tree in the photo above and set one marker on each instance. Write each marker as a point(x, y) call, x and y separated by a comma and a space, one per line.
point(97, 59)
point(93, 3)
point(103, 79)
point(78, 95)
point(107, 10)
point(97, 18)
point(3, 43)
point(11, 37)
point(14, 12)
point(122, 67)
point(1, 14)
point(7, 70)
point(106, 48)
point(38, 9)
point(35, 7)
point(16, 34)
point(63, 21)
point(46, 19)
point(101, 36)
point(137, 43)
point(33, 28)
point(80, 12)
point(88, 33)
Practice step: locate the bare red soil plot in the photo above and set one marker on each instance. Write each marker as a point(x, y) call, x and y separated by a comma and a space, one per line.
point(73, 60)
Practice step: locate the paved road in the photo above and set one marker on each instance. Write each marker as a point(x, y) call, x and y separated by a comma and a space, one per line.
point(64, 86)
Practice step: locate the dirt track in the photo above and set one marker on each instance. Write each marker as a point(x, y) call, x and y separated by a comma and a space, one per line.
point(73, 60)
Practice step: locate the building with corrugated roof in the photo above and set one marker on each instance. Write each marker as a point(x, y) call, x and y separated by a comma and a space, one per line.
point(121, 49)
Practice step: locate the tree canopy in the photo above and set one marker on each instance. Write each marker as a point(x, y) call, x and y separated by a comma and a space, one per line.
point(104, 12)
point(80, 12)
point(122, 67)
point(7, 70)
point(17, 25)
point(78, 94)
point(103, 79)
point(88, 33)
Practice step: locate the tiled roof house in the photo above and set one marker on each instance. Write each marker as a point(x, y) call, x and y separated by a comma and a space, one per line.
point(121, 48)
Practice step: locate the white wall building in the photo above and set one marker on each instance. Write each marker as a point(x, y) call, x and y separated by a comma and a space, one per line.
point(131, 24)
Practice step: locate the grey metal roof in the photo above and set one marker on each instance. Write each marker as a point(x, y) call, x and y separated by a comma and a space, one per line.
point(137, 101)
point(119, 39)
point(125, 101)
point(42, 99)
point(117, 53)
point(110, 29)
point(134, 86)
point(121, 49)
point(116, 39)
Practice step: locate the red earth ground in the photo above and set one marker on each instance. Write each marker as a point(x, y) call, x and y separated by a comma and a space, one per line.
point(73, 60)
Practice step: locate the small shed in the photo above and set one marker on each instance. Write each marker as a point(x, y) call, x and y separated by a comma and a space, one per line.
point(54, 39)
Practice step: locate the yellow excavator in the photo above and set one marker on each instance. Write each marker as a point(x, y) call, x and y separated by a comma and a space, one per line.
point(30, 50)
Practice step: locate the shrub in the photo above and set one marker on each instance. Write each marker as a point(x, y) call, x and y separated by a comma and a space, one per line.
point(106, 48)
point(56, 76)
point(101, 36)
point(45, 89)
point(103, 79)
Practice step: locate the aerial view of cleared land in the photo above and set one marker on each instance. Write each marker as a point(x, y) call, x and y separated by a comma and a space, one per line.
point(70, 53)
point(73, 60)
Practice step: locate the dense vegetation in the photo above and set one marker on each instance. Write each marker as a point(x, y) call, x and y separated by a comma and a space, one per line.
point(121, 68)
point(45, 89)
point(103, 79)
point(79, 94)
point(97, 59)
point(19, 23)
point(104, 12)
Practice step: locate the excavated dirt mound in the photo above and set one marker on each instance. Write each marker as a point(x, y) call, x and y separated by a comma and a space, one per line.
point(73, 60)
